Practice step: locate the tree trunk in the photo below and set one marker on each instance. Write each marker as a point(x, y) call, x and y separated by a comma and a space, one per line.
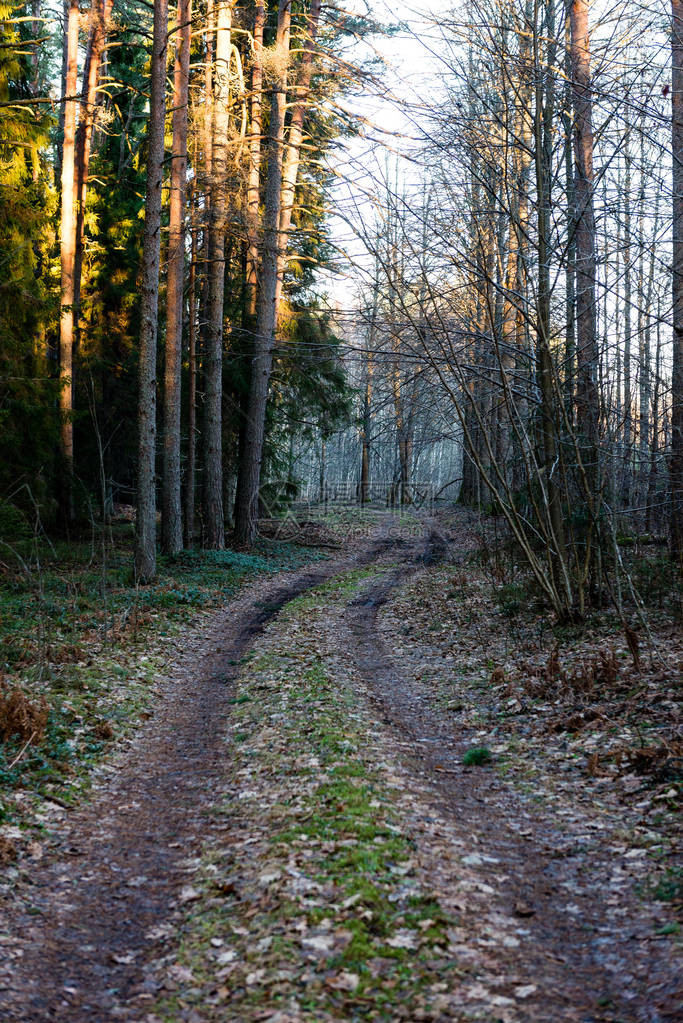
point(100, 13)
point(367, 404)
point(587, 398)
point(66, 7)
point(645, 359)
point(171, 517)
point(322, 481)
point(292, 157)
point(214, 523)
point(145, 549)
point(654, 448)
point(543, 124)
point(676, 471)
point(253, 187)
point(570, 272)
point(246, 509)
point(628, 335)
point(67, 257)
point(190, 471)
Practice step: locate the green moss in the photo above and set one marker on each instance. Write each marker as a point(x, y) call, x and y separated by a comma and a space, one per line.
point(477, 756)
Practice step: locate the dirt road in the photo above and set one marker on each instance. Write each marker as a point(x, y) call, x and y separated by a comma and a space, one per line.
point(86, 917)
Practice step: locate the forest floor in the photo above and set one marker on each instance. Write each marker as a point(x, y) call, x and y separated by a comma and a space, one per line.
point(379, 786)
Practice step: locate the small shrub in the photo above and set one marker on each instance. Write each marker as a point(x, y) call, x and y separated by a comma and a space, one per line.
point(477, 756)
point(669, 888)
point(497, 677)
point(20, 717)
point(8, 850)
point(511, 598)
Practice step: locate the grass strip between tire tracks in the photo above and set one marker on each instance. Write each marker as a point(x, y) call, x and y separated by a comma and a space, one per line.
point(312, 907)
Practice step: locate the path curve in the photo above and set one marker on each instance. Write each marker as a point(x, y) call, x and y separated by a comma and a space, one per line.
point(83, 923)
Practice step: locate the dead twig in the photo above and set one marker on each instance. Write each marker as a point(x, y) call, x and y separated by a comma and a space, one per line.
point(22, 751)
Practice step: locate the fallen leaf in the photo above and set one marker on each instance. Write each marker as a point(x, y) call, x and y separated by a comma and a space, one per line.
point(403, 939)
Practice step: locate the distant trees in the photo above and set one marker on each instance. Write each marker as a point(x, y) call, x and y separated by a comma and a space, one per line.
point(533, 291)
point(547, 248)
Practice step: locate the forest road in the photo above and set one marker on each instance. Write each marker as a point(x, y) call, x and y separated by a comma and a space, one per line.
point(591, 962)
point(95, 910)
point(83, 922)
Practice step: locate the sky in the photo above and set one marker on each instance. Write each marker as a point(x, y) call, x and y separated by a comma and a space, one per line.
point(391, 131)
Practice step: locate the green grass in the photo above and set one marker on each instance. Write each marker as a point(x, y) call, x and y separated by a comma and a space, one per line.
point(477, 756)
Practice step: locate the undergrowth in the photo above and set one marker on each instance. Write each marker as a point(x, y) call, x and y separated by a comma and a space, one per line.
point(81, 647)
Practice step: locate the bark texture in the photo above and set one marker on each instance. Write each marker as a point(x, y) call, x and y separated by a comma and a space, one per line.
point(214, 527)
point(247, 506)
point(295, 137)
point(191, 467)
point(67, 259)
point(145, 547)
point(676, 480)
point(253, 187)
point(171, 519)
point(586, 333)
point(100, 14)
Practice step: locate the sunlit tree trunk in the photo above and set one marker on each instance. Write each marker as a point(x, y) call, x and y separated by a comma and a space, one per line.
point(253, 187)
point(191, 467)
point(66, 8)
point(171, 516)
point(292, 157)
point(67, 259)
point(214, 524)
point(145, 548)
point(207, 161)
point(246, 508)
point(100, 13)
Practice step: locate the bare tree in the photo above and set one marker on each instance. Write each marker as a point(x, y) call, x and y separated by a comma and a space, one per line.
point(587, 400)
point(676, 472)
